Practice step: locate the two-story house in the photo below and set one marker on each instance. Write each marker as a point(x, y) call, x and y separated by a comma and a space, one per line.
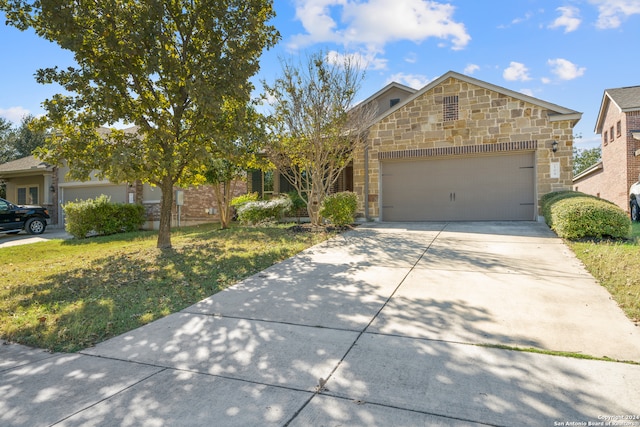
point(618, 123)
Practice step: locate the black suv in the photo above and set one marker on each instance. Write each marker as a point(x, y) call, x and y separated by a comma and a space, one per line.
point(14, 218)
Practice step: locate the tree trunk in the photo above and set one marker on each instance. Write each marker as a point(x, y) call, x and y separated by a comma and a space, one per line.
point(166, 205)
point(223, 198)
point(313, 208)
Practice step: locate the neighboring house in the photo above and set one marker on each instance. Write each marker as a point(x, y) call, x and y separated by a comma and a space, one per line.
point(618, 123)
point(30, 181)
point(459, 149)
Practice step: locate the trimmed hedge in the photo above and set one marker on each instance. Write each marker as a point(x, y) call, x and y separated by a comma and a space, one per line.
point(101, 217)
point(264, 210)
point(575, 215)
point(340, 208)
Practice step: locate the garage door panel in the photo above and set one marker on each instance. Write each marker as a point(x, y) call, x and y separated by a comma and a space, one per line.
point(459, 189)
point(118, 193)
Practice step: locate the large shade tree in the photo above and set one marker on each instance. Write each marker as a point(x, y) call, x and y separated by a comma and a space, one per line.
point(584, 158)
point(315, 125)
point(20, 141)
point(165, 66)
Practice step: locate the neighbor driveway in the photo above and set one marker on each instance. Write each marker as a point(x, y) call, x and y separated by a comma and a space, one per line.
point(386, 325)
point(24, 238)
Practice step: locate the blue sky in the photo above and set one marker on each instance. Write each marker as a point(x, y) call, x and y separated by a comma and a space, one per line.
point(563, 51)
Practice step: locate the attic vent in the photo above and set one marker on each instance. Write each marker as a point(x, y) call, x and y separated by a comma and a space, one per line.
point(450, 108)
point(393, 102)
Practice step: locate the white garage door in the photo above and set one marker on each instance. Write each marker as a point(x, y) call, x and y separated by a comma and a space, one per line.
point(482, 188)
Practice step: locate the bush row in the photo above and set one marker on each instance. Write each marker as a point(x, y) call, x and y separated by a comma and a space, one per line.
point(101, 217)
point(575, 215)
point(261, 211)
point(338, 208)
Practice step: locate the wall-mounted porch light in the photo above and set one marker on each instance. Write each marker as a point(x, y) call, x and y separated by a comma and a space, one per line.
point(554, 146)
point(52, 189)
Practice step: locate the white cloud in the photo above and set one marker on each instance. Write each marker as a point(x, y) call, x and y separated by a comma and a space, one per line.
point(361, 61)
point(569, 19)
point(471, 68)
point(516, 72)
point(517, 21)
point(565, 70)
point(545, 80)
point(416, 81)
point(14, 114)
point(411, 58)
point(374, 23)
point(612, 12)
point(527, 92)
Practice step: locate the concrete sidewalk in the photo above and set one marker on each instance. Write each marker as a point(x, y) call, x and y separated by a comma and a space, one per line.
point(376, 327)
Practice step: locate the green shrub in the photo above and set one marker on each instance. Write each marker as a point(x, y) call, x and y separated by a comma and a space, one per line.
point(580, 215)
point(264, 210)
point(238, 201)
point(548, 200)
point(297, 203)
point(340, 208)
point(101, 217)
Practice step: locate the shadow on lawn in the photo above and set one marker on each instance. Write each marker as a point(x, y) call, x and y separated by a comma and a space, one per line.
point(119, 292)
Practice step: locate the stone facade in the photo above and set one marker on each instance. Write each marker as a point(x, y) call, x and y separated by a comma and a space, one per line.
point(489, 120)
point(620, 163)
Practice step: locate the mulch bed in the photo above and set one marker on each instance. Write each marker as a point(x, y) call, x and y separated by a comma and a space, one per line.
point(308, 228)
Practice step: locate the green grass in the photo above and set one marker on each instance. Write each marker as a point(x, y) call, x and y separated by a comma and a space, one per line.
point(616, 265)
point(70, 295)
point(573, 355)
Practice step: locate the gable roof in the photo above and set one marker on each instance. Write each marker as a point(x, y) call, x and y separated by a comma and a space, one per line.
point(559, 113)
point(392, 85)
point(29, 163)
point(625, 98)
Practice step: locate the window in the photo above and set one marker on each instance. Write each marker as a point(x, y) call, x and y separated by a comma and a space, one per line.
point(605, 138)
point(267, 184)
point(450, 108)
point(619, 128)
point(393, 102)
point(611, 134)
point(28, 196)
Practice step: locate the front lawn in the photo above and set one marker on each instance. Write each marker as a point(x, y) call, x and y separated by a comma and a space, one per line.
point(69, 295)
point(616, 265)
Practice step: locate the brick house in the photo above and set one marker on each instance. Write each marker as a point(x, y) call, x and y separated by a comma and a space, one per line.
point(618, 123)
point(30, 181)
point(459, 149)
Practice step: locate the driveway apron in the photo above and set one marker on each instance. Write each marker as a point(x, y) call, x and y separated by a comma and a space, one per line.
point(391, 324)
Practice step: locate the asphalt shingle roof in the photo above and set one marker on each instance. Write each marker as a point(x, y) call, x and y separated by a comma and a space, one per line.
point(23, 164)
point(627, 98)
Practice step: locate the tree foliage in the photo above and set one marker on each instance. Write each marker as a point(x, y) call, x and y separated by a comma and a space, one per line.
point(18, 142)
point(7, 141)
point(315, 128)
point(240, 138)
point(165, 66)
point(585, 158)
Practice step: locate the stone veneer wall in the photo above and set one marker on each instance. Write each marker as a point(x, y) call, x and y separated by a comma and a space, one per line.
point(485, 118)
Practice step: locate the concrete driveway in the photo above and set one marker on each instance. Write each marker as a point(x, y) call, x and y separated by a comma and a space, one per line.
point(381, 326)
point(24, 238)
